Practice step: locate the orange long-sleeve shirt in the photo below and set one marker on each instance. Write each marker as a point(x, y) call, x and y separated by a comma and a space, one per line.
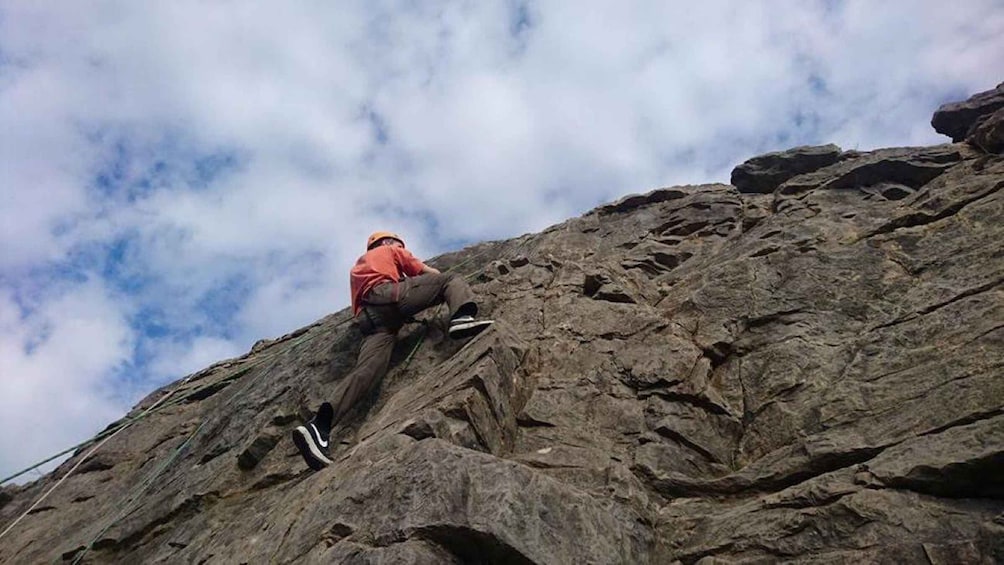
point(386, 263)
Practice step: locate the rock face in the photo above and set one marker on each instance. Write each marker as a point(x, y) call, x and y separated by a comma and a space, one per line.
point(989, 134)
point(961, 120)
point(699, 374)
point(764, 173)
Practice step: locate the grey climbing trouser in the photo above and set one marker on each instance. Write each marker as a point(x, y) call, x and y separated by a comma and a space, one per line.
point(384, 311)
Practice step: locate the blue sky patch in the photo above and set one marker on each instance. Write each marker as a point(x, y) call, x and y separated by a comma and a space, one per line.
point(221, 303)
point(817, 85)
point(133, 167)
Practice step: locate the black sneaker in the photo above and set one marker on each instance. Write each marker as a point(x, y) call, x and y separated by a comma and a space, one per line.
point(466, 326)
point(312, 439)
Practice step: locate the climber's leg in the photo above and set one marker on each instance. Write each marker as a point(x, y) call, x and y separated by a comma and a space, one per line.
point(312, 440)
point(371, 366)
point(423, 291)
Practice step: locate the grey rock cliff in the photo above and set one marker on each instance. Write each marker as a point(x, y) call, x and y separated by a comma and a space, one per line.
point(806, 368)
point(764, 173)
point(961, 120)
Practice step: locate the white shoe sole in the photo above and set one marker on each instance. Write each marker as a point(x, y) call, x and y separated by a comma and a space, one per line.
point(309, 450)
point(468, 329)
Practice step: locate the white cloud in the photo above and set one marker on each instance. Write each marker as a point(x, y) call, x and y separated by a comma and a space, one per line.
point(54, 367)
point(173, 360)
point(248, 149)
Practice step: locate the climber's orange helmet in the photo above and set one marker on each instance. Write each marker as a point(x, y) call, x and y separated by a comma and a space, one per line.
point(375, 238)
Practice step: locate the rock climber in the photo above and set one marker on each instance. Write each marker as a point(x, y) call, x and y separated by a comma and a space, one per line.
point(389, 286)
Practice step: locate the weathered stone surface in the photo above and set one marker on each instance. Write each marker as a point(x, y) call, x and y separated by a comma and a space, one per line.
point(961, 462)
point(989, 135)
point(764, 173)
point(259, 447)
point(6, 495)
point(886, 174)
point(692, 375)
point(959, 120)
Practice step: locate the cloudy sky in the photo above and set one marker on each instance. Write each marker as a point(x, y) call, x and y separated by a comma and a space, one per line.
point(180, 179)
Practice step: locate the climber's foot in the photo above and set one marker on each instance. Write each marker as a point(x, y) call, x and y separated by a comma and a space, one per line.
point(466, 326)
point(312, 439)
